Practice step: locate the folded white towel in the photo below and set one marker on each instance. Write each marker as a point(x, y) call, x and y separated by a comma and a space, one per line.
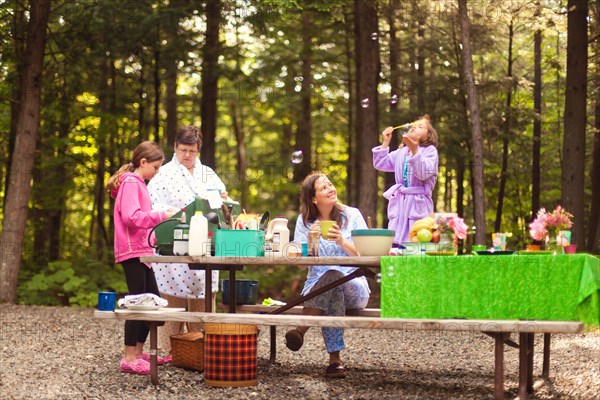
point(143, 299)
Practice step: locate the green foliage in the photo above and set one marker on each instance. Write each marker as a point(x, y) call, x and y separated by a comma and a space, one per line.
point(73, 284)
point(100, 96)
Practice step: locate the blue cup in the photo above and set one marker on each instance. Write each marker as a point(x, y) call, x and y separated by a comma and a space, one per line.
point(107, 301)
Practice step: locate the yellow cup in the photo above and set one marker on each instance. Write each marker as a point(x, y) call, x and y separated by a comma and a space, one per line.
point(325, 226)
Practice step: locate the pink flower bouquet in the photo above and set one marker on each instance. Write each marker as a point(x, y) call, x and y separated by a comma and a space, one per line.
point(455, 223)
point(557, 220)
point(459, 227)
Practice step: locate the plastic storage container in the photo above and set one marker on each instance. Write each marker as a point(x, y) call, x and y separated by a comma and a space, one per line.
point(239, 243)
point(246, 291)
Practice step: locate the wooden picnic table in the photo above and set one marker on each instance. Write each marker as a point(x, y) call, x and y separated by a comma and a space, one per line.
point(499, 329)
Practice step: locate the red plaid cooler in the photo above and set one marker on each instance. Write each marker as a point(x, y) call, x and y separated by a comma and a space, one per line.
point(230, 354)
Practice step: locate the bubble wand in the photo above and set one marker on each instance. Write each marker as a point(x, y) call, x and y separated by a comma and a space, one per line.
point(403, 126)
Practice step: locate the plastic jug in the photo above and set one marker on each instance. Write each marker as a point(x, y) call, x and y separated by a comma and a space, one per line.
point(181, 234)
point(278, 234)
point(198, 238)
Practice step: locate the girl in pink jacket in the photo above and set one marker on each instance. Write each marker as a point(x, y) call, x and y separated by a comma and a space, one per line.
point(415, 167)
point(133, 219)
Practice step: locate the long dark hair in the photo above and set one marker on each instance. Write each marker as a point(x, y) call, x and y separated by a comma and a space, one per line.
point(309, 209)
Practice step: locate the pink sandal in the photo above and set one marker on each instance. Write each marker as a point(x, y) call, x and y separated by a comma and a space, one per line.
point(139, 367)
point(159, 360)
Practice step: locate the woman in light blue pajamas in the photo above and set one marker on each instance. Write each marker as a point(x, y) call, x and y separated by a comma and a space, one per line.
point(319, 202)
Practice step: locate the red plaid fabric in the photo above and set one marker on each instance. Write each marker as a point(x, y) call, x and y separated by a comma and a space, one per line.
point(230, 358)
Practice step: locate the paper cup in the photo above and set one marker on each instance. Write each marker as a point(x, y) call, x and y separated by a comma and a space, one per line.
point(565, 238)
point(499, 240)
point(325, 226)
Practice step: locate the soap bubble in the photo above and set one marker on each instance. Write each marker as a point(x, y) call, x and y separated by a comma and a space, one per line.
point(297, 157)
point(374, 36)
point(364, 103)
point(394, 99)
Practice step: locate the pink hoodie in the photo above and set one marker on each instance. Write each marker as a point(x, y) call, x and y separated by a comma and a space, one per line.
point(133, 218)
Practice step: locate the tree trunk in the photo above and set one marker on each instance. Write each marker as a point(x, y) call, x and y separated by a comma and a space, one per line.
point(210, 79)
point(395, 18)
point(141, 99)
point(593, 242)
point(505, 133)
point(537, 120)
point(460, 189)
point(157, 91)
point(573, 163)
point(420, 54)
point(175, 11)
point(19, 186)
point(18, 33)
point(475, 123)
point(462, 165)
point(367, 129)
point(242, 158)
point(171, 102)
point(351, 186)
point(98, 234)
point(52, 180)
point(304, 132)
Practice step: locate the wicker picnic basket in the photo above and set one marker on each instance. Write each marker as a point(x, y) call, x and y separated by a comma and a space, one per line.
point(187, 350)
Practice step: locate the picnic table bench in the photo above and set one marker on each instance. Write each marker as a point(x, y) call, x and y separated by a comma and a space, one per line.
point(500, 330)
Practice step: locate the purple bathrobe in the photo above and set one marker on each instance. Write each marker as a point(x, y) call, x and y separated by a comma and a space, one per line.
point(408, 201)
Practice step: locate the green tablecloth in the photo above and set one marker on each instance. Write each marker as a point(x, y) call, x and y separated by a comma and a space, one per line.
point(542, 287)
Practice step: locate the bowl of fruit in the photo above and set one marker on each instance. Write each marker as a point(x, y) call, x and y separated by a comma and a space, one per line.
point(426, 236)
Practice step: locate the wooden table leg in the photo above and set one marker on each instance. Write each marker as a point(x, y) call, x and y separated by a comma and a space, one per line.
point(530, 350)
point(273, 347)
point(232, 291)
point(499, 366)
point(523, 356)
point(546, 359)
point(153, 352)
point(208, 289)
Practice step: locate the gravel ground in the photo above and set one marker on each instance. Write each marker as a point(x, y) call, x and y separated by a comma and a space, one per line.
point(64, 353)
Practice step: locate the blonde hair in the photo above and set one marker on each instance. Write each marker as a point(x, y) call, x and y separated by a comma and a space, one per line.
point(148, 150)
point(432, 136)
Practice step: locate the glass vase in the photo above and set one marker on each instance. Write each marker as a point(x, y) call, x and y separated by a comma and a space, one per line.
point(446, 243)
point(554, 243)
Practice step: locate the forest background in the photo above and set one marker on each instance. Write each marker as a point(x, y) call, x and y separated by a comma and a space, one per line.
point(512, 88)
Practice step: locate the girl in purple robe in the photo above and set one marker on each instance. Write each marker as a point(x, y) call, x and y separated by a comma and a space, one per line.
point(415, 167)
